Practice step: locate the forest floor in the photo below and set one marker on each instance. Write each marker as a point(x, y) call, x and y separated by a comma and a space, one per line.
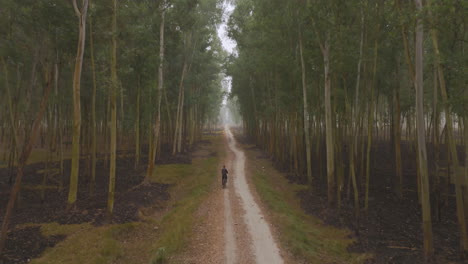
point(391, 232)
point(140, 229)
point(184, 216)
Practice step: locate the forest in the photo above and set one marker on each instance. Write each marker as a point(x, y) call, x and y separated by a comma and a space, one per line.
point(363, 103)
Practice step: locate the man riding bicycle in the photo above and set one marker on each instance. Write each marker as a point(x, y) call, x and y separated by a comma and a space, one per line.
point(224, 173)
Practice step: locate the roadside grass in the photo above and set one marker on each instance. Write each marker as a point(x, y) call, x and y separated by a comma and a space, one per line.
point(84, 243)
point(304, 236)
point(171, 173)
point(177, 224)
point(148, 241)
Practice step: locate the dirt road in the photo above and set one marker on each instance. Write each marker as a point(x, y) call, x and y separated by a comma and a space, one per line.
point(245, 234)
point(262, 242)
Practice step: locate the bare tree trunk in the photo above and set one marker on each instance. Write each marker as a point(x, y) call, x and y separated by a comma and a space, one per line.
point(328, 124)
point(27, 148)
point(451, 144)
point(76, 103)
point(157, 125)
point(422, 164)
point(93, 113)
point(14, 135)
point(178, 124)
point(113, 106)
point(435, 143)
point(370, 123)
point(137, 124)
point(306, 112)
point(181, 121)
point(397, 141)
point(169, 118)
point(465, 128)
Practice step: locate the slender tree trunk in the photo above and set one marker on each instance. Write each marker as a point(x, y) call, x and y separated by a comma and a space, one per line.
point(81, 14)
point(181, 121)
point(113, 106)
point(397, 140)
point(93, 113)
point(451, 144)
point(465, 128)
point(157, 125)
point(137, 124)
point(328, 123)
point(170, 125)
point(426, 206)
point(11, 112)
point(370, 123)
point(27, 148)
point(306, 112)
point(435, 143)
point(447, 110)
point(178, 124)
point(353, 150)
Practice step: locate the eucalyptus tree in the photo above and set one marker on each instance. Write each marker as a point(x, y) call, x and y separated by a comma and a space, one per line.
point(351, 65)
point(113, 112)
point(426, 207)
point(157, 125)
point(81, 13)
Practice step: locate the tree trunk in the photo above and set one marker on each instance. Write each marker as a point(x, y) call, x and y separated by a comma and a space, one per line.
point(137, 124)
point(157, 125)
point(178, 124)
point(370, 123)
point(76, 103)
point(14, 135)
point(93, 113)
point(113, 106)
point(306, 112)
point(451, 144)
point(422, 164)
point(435, 143)
point(397, 141)
point(27, 148)
point(328, 123)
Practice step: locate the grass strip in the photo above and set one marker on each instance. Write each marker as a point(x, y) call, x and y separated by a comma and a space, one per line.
point(305, 236)
point(177, 224)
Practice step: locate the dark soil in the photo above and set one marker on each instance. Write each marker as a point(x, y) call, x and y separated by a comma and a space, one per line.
point(130, 197)
point(27, 243)
point(392, 228)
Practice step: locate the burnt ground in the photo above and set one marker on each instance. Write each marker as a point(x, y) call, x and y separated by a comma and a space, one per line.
point(392, 228)
point(131, 197)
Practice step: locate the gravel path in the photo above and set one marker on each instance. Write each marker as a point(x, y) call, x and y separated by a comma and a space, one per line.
point(264, 247)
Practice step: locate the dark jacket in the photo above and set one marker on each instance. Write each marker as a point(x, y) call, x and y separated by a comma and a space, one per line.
point(224, 172)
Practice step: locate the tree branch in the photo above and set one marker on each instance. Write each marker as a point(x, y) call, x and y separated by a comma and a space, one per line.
point(77, 11)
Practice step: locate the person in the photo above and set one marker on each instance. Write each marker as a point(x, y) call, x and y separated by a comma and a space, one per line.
point(224, 173)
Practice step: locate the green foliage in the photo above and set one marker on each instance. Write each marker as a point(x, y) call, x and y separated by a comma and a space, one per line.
point(35, 35)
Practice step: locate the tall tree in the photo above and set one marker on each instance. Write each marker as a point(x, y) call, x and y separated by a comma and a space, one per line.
point(306, 111)
point(157, 124)
point(27, 148)
point(420, 126)
point(113, 109)
point(81, 14)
